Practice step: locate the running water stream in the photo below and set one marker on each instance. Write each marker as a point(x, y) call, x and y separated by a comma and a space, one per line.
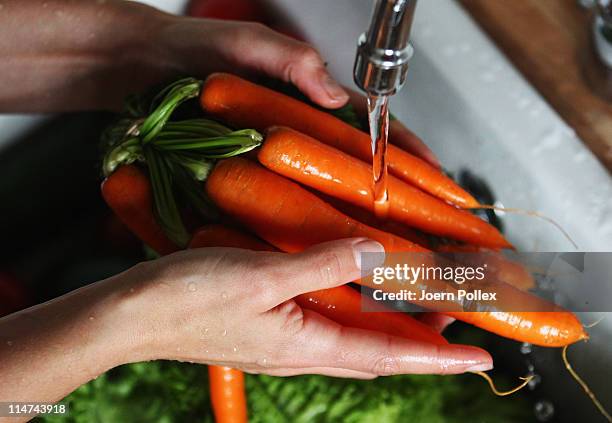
point(378, 116)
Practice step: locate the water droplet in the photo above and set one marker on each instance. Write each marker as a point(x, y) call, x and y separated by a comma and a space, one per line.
point(224, 295)
point(235, 349)
point(263, 362)
point(9, 343)
point(224, 332)
point(535, 381)
point(222, 355)
point(92, 318)
point(192, 287)
point(526, 348)
point(544, 410)
point(206, 330)
point(206, 351)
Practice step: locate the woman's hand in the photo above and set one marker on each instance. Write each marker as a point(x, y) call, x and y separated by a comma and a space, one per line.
point(215, 306)
point(91, 55)
point(234, 308)
point(202, 46)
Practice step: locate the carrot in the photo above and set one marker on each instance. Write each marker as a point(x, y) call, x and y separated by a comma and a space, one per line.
point(227, 394)
point(128, 193)
point(341, 304)
point(364, 216)
point(504, 269)
point(215, 235)
point(543, 328)
point(255, 196)
point(292, 219)
point(326, 169)
point(244, 104)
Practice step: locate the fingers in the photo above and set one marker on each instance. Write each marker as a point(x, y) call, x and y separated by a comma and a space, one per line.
point(324, 343)
point(436, 321)
point(323, 266)
point(285, 58)
point(325, 371)
point(398, 133)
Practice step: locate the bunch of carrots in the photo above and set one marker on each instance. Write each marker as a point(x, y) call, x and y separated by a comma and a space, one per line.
point(285, 194)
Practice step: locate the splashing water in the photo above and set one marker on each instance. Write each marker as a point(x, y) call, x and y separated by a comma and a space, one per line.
point(526, 348)
point(544, 410)
point(378, 116)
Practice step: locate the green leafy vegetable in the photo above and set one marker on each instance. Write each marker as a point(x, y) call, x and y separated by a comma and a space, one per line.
point(163, 391)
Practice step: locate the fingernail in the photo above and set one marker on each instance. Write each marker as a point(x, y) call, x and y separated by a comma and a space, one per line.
point(333, 89)
point(482, 367)
point(368, 255)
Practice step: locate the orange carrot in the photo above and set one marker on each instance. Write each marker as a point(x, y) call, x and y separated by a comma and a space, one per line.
point(306, 160)
point(292, 219)
point(504, 269)
point(216, 235)
point(247, 105)
point(543, 328)
point(128, 193)
point(364, 216)
point(341, 304)
point(227, 394)
point(236, 182)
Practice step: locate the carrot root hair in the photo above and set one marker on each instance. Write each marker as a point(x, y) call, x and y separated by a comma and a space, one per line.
point(595, 323)
point(525, 381)
point(583, 385)
point(531, 213)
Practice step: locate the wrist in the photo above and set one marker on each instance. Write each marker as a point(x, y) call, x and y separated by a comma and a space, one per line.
point(128, 329)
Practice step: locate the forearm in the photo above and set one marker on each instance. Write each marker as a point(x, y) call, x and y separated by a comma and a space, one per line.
point(66, 55)
point(49, 350)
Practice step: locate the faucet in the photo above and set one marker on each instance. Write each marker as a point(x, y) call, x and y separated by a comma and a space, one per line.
point(383, 51)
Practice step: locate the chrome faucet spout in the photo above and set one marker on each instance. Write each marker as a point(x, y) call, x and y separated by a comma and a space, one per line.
point(383, 51)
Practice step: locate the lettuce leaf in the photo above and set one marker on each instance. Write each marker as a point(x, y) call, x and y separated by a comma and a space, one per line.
point(162, 391)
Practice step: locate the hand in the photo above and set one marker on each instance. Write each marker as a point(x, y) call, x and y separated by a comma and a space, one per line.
point(219, 306)
point(233, 307)
point(249, 48)
point(202, 46)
